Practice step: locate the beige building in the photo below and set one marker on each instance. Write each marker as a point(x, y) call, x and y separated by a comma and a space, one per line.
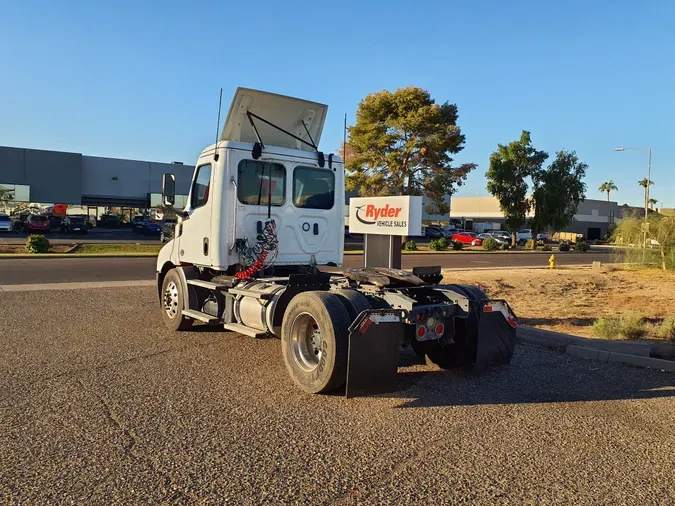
point(593, 217)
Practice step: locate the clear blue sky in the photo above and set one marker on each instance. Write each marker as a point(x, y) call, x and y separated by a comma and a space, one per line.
point(141, 79)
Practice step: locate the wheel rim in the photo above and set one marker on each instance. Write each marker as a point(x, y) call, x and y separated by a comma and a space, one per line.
point(306, 342)
point(171, 299)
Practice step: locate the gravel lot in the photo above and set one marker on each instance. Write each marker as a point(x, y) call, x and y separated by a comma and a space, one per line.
point(99, 404)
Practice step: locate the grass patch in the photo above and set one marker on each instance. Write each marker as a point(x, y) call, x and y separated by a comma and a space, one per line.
point(628, 326)
point(667, 328)
point(607, 328)
point(118, 249)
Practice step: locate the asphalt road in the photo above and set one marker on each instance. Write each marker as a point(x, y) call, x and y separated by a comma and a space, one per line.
point(100, 404)
point(60, 270)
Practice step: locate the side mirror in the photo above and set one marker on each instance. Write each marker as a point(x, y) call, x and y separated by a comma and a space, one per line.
point(168, 190)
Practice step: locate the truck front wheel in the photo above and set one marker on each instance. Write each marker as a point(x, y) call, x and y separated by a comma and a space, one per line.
point(314, 341)
point(172, 302)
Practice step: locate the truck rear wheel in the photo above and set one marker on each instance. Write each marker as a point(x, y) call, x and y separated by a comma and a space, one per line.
point(172, 302)
point(314, 341)
point(353, 301)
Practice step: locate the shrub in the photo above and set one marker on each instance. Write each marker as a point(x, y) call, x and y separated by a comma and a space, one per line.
point(632, 326)
point(443, 243)
point(410, 246)
point(505, 246)
point(580, 246)
point(547, 247)
point(37, 244)
point(605, 327)
point(629, 326)
point(457, 246)
point(490, 244)
point(436, 245)
point(530, 244)
point(667, 328)
point(564, 247)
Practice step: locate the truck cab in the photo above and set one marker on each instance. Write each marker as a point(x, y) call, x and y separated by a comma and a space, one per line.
point(257, 173)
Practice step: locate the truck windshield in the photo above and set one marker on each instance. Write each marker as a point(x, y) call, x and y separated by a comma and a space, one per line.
point(313, 188)
point(253, 182)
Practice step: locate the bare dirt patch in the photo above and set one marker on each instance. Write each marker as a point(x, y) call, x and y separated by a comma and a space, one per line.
point(570, 300)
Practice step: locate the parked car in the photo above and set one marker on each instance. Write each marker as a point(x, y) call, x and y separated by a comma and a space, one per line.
point(109, 221)
point(139, 222)
point(169, 227)
point(524, 235)
point(54, 221)
point(74, 224)
point(544, 236)
point(36, 223)
point(435, 232)
point(467, 238)
point(498, 238)
point(503, 234)
point(20, 222)
point(151, 228)
point(5, 223)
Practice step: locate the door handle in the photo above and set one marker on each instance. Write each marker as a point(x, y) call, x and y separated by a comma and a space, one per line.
point(316, 229)
point(206, 246)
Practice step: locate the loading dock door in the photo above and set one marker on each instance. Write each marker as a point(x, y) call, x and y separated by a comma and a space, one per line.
point(594, 233)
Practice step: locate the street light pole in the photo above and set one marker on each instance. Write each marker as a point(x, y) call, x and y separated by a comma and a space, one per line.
point(649, 182)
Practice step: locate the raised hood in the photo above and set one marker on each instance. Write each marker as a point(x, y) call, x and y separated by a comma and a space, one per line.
point(285, 112)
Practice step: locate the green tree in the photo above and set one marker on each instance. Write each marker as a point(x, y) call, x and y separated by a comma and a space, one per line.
point(510, 167)
point(558, 190)
point(607, 187)
point(402, 144)
point(652, 203)
point(660, 232)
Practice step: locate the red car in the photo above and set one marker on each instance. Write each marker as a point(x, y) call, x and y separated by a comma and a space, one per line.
point(467, 238)
point(37, 223)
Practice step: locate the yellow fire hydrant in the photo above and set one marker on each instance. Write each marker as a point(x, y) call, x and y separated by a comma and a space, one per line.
point(551, 262)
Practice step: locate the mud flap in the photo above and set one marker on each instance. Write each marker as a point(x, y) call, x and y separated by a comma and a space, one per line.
point(375, 339)
point(496, 334)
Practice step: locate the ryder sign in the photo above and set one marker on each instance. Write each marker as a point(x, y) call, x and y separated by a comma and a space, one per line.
point(386, 215)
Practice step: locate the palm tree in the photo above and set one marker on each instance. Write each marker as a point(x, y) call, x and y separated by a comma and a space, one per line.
point(608, 186)
point(652, 203)
point(645, 183)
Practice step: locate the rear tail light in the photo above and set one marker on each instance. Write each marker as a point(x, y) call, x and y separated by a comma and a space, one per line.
point(421, 331)
point(439, 329)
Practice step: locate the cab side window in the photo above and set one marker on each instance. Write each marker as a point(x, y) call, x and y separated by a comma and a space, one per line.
point(200, 187)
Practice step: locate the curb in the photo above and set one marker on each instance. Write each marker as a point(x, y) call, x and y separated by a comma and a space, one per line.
point(22, 256)
point(83, 285)
point(636, 354)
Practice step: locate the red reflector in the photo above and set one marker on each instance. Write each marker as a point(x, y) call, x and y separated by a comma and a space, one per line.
point(365, 325)
point(421, 331)
point(439, 330)
point(487, 309)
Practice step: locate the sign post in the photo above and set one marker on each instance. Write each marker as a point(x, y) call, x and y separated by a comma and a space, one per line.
point(383, 220)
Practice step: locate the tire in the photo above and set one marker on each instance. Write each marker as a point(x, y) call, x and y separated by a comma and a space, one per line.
point(463, 351)
point(353, 301)
point(316, 363)
point(173, 296)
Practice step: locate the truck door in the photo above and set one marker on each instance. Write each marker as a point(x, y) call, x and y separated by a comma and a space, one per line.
point(193, 242)
point(261, 189)
point(316, 223)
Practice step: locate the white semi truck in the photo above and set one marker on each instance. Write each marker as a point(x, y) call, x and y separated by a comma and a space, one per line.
point(265, 214)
